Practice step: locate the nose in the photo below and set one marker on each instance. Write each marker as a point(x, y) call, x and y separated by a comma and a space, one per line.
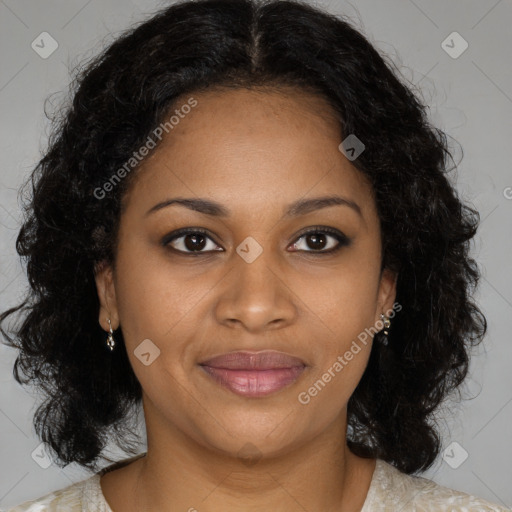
point(256, 296)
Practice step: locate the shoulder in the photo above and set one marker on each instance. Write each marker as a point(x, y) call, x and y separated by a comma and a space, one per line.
point(75, 498)
point(392, 490)
point(83, 496)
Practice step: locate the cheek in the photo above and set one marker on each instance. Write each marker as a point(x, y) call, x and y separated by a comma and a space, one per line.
point(166, 307)
point(342, 303)
point(151, 298)
point(326, 394)
point(342, 308)
point(344, 345)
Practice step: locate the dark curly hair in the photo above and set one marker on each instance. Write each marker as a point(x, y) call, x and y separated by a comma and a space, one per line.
point(120, 97)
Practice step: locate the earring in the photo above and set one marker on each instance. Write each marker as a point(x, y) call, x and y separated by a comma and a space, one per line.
point(110, 339)
point(387, 325)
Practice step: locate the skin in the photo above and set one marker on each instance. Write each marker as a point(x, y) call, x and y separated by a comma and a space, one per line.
point(255, 152)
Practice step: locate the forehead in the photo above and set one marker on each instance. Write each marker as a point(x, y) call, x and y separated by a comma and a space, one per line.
point(253, 145)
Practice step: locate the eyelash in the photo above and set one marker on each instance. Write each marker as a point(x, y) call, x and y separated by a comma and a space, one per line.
point(342, 240)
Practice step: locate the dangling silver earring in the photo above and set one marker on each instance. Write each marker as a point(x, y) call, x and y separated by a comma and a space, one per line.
point(387, 325)
point(110, 339)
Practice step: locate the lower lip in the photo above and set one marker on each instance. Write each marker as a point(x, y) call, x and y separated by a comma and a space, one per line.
point(254, 383)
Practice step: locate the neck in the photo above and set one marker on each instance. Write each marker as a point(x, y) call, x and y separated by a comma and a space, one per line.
point(178, 473)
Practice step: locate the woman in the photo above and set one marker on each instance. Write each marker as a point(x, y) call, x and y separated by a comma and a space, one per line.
point(254, 208)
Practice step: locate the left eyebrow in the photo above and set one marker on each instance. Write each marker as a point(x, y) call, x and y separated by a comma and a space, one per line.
point(304, 206)
point(300, 207)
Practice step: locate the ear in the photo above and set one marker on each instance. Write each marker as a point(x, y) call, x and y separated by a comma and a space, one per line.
point(103, 275)
point(387, 293)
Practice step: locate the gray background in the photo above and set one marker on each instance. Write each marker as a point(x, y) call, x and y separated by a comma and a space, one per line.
point(470, 97)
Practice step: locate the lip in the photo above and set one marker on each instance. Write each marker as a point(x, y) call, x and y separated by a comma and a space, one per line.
point(254, 374)
point(247, 360)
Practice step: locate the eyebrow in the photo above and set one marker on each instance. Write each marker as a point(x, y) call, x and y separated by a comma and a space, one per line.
point(300, 207)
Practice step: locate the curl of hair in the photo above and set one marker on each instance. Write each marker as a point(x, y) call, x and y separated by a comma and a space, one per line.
point(125, 93)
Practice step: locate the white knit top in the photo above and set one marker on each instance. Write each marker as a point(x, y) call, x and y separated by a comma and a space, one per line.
point(390, 491)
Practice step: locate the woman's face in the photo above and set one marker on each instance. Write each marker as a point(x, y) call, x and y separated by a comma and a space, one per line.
point(253, 281)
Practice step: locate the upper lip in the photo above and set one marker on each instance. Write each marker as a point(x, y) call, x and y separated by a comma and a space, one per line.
point(246, 360)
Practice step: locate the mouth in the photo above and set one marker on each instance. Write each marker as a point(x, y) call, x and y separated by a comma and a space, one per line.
point(254, 374)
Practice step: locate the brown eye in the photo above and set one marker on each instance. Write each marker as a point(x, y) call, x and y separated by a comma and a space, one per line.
point(321, 241)
point(190, 241)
